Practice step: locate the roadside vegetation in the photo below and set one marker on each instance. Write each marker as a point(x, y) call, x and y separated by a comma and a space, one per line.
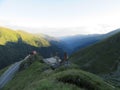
point(39, 76)
point(3, 70)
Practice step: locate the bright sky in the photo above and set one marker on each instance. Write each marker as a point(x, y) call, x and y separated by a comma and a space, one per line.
point(61, 17)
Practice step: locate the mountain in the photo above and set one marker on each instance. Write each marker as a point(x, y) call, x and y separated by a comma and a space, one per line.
point(102, 54)
point(14, 45)
point(39, 76)
point(113, 32)
point(102, 58)
point(8, 35)
point(80, 41)
point(77, 42)
point(58, 42)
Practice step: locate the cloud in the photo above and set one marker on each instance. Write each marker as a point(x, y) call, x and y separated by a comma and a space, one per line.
point(61, 18)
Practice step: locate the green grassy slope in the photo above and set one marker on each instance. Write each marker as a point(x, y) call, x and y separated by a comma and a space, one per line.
point(8, 35)
point(39, 76)
point(101, 57)
point(15, 45)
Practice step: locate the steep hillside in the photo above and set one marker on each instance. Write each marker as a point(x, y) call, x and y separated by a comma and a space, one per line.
point(74, 43)
point(59, 43)
point(101, 57)
point(33, 40)
point(77, 42)
point(39, 76)
point(15, 45)
point(8, 35)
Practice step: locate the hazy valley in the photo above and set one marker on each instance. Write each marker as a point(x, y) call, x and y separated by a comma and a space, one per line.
point(97, 54)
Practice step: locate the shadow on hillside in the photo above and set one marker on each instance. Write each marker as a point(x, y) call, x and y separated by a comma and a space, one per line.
point(16, 51)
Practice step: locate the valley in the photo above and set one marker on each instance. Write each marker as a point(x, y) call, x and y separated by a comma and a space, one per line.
point(98, 53)
point(59, 44)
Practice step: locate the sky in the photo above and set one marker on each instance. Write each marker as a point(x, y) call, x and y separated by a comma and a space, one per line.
point(61, 17)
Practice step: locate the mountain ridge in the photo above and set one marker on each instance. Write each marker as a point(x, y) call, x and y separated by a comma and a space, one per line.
point(100, 58)
point(9, 35)
point(112, 40)
point(15, 45)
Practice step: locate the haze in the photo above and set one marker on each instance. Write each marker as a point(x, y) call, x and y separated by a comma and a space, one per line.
point(61, 17)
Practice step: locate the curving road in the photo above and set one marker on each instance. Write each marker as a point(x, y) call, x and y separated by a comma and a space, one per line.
point(10, 72)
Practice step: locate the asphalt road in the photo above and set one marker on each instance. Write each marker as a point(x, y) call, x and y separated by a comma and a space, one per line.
point(10, 72)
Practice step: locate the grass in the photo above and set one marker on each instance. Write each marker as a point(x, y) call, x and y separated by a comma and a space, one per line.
point(33, 40)
point(15, 45)
point(39, 76)
point(26, 77)
point(83, 79)
point(101, 57)
point(9, 35)
point(3, 70)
